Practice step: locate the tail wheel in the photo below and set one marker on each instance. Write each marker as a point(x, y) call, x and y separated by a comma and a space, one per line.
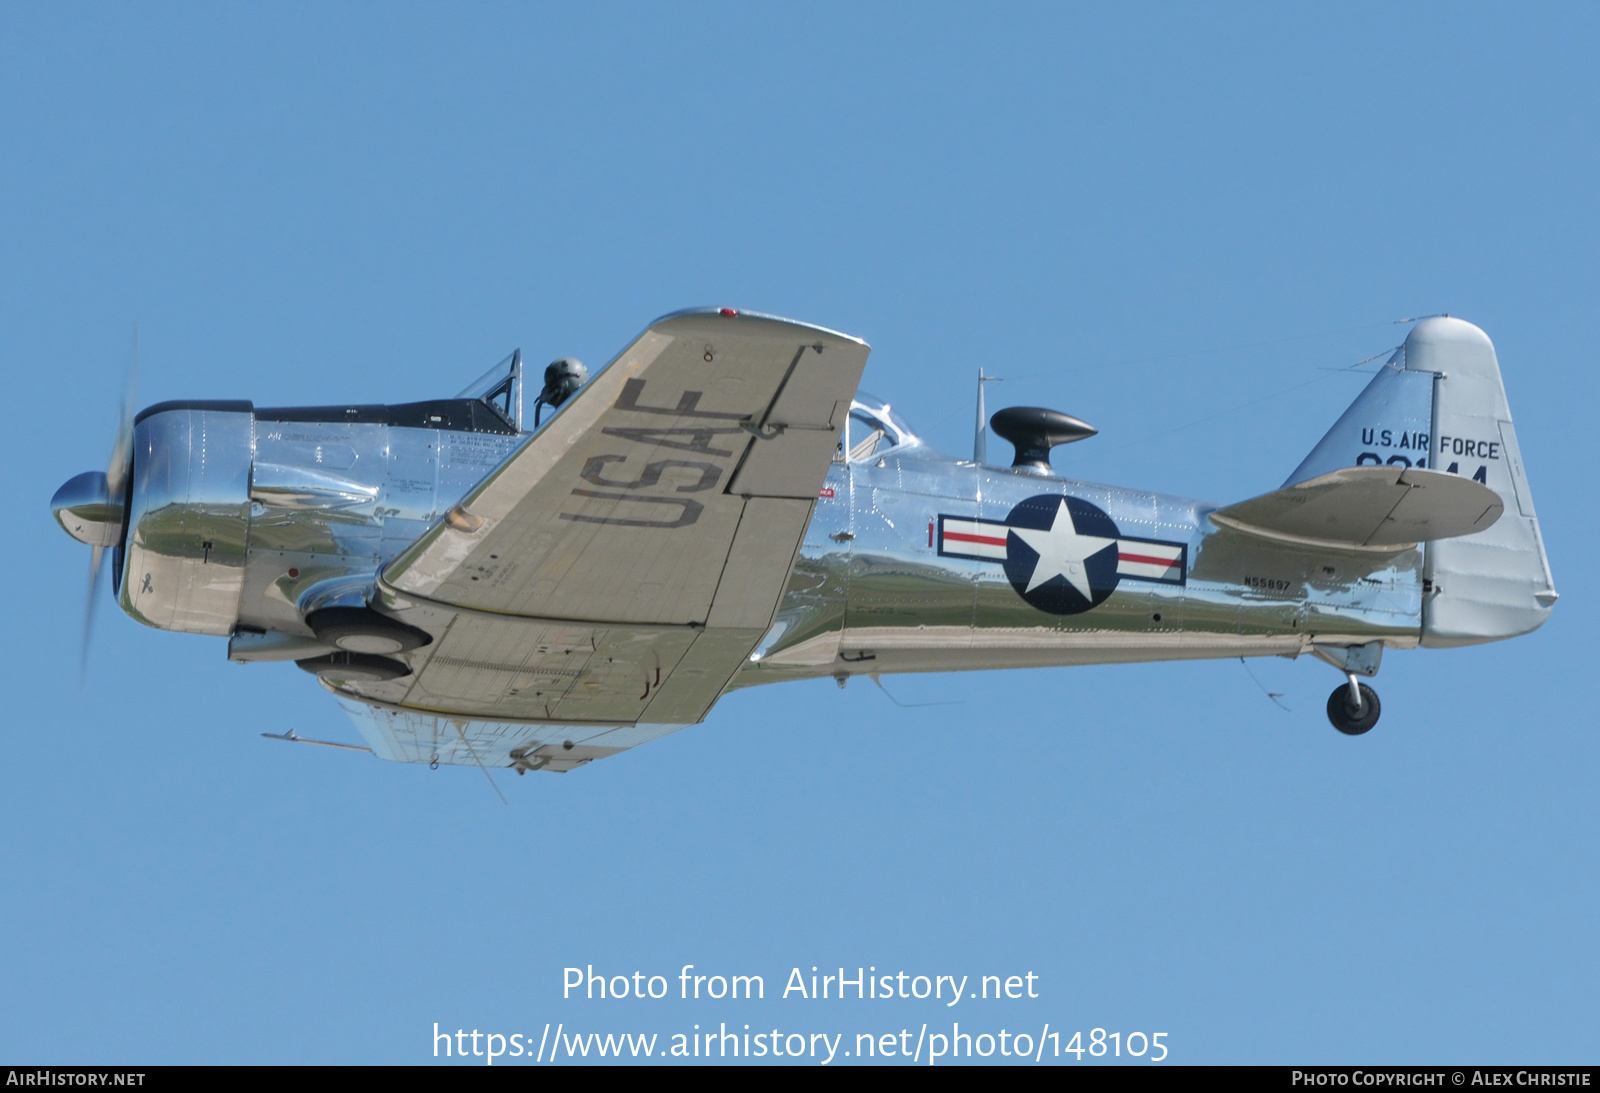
point(363, 630)
point(1350, 719)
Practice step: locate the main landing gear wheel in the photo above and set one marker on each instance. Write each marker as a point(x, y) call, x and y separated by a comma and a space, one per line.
point(362, 630)
point(339, 668)
point(1348, 718)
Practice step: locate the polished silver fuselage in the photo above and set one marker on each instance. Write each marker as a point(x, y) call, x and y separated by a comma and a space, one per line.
point(245, 521)
point(885, 600)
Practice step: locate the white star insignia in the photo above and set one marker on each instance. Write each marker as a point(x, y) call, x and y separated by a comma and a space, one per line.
point(1062, 552)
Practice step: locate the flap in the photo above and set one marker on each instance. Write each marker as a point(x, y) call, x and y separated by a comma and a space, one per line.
point(504, 669)
point(1372, 508)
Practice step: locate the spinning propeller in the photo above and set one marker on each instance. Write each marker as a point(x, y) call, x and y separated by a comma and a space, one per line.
point(91, 506)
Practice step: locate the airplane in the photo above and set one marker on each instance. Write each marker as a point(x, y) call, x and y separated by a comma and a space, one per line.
point(719, 507)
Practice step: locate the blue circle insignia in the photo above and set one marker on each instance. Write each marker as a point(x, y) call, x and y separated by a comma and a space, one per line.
point(1061, 554)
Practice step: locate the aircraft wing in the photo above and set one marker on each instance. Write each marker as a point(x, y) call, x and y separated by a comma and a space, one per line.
point(621, 566)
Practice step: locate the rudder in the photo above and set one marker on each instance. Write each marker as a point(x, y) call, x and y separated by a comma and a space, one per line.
point(1439, 403)
point(1495, 584)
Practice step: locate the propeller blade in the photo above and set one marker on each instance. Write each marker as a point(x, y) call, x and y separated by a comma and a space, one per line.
point(122, 446)
point(88, 612)
point(117, 470)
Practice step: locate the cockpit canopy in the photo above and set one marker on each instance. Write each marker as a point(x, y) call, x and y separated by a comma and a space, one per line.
point(500, 388)
point(872, 430)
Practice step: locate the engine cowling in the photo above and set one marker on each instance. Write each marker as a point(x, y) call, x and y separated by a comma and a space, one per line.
point(188, 522)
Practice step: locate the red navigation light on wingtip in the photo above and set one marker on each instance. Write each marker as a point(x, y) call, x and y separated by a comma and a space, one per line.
point(727, 311)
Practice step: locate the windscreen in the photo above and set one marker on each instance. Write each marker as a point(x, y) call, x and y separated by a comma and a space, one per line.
point(501, 389)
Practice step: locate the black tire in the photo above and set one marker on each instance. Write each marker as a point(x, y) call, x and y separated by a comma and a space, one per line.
point(353, 668)
point(363, 631)
point(1353, 722)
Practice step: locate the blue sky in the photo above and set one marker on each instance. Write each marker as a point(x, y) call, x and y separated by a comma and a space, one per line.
point(1176, 222)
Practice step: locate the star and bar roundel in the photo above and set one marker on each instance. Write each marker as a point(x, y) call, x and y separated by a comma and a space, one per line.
point(1062, 554)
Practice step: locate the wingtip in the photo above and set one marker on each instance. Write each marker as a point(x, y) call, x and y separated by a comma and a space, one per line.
point(744, 315)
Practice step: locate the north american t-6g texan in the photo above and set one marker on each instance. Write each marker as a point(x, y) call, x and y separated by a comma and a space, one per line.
point(719, 507)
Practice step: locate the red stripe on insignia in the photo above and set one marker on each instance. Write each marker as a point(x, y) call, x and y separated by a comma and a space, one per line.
point(1147, 560)
point(986, 540)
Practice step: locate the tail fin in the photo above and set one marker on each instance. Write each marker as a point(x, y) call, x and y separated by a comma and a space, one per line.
point(1438, 403)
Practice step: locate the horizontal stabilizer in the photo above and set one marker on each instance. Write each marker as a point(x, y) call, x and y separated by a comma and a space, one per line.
point(1372, 508)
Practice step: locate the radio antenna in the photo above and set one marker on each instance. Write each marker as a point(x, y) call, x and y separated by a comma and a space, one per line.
point(980, 430)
